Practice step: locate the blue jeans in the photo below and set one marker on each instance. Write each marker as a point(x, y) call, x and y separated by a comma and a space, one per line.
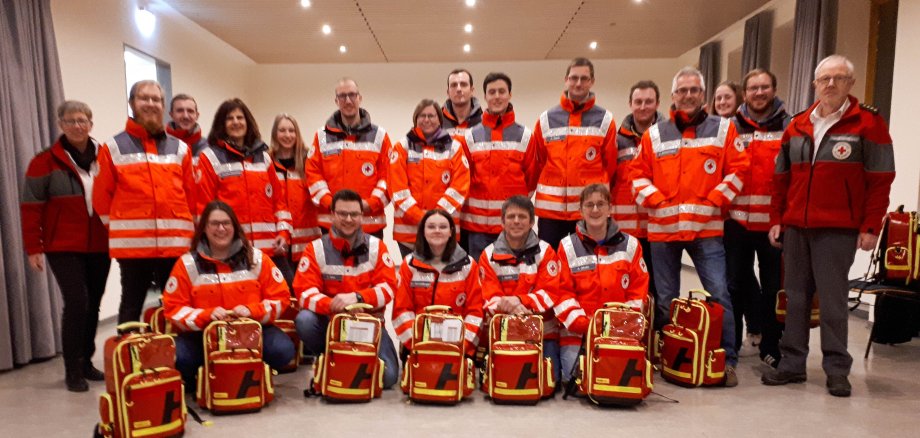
point(568, 358)
point(708, 257)
point(277, 351)
point(551, 350)
point(312, 327)
point(478, 243)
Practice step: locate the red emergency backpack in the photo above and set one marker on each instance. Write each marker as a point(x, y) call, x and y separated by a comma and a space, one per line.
point(350, 369)
point(436, 370)
point(234, 378)
point(516, 371)
point(690, 351)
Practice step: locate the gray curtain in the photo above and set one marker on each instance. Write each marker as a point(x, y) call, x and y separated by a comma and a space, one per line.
point(815, 38)
point(709, 66)
point(30, 90)
point(755, 52)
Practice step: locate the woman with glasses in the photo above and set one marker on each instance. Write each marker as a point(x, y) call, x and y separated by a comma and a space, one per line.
point(726, 99)
point(597, 264)
point(236, 168)
point(438, 272)
point(224, 277)
point(289, 154)
point(428, 169)
point(58, 223)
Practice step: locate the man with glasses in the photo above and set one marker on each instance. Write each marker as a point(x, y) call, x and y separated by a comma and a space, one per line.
point(760, 123)
point(344, 267)
point(183, 110)
point(575, 144)
point(689, 168)
point(350, 152)
point(144, 193)
point(833, 177)
point(461, 110)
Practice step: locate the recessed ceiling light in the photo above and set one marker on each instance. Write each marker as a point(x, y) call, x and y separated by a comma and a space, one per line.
point(471, 3)
point(637, 1)
point(327, 29)
point(468, 28)
point(593, 45)
point(466, 48)
point(305, 3)
point(343, 49)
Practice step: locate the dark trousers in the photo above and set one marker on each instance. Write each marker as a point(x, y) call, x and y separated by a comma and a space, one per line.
point(755, 300)
point(817, 261)
point(277, 351)
point(286, 266)
point(647, 256)
point(137, 276)
point(81, 277)
point(552, 231)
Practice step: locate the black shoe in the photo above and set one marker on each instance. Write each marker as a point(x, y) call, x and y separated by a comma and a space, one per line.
point(838, 386)
point(776, 377)
point(75, 382)
point(92, 373)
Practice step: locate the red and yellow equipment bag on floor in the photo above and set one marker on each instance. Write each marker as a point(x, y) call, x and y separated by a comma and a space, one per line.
point(615, 369)
point(690, 349)
point(234, 378)
point(782, 302)
point(516, 371)
point(144, 393)
point(350, 370)
point(436, 370)
point(156, 319)
point(899, 247)
point(286, 324)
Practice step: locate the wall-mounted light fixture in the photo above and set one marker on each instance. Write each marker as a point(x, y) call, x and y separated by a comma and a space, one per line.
point(145, 20)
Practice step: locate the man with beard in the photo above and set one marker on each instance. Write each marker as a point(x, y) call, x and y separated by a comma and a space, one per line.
point(144, 195)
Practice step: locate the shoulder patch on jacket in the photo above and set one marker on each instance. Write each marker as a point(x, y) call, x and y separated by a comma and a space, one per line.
point(869, 108)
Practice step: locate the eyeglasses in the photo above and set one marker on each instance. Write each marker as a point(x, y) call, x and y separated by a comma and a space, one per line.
point(577, 79)
point(348, 214)
point(756, 88)
point(686, 91)
point(220, 224)
point(148, 99)
point(824, 80)
point(589, 206)
point(427, 116)
point(347, 96)
point(83, 123)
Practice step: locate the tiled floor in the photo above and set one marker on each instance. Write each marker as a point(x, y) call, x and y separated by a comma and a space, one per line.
point(885, 402)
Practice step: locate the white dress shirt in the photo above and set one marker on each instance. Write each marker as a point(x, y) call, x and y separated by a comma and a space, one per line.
point(822, 124)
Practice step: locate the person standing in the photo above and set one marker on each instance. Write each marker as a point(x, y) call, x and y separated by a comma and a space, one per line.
point(575, 144)
point(60, 225)
point(831, 187)
point(461, 110)
point(145, 194)
point(183, 110)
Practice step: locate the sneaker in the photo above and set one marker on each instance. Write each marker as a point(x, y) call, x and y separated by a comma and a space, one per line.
point(770, 360)
point(750, 346)
point(838, 386)
point(777, 377)
point(731, 378)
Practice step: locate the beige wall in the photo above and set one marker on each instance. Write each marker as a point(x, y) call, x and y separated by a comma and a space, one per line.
point(91, 36)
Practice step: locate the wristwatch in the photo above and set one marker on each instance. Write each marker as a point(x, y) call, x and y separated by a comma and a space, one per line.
point(359, 298)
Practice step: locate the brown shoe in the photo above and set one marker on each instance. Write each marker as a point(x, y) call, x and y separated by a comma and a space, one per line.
point(731, 378)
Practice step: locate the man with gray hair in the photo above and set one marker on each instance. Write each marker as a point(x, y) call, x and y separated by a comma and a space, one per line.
point(833, 177)
point(144, 195)
point(686, 173)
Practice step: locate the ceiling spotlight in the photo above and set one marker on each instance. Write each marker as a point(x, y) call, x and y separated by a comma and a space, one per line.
point(637, 1)
point(466, 48)
point(468, 28)
point(471, 3)
point(305, 3)
point(593, 45)
point(343, 49)
point(327, 29)
point(145, 20)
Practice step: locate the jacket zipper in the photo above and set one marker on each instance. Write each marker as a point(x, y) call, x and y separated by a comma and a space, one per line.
point(811, 174)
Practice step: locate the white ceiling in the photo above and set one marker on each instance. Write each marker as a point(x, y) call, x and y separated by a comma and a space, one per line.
point(281, 31)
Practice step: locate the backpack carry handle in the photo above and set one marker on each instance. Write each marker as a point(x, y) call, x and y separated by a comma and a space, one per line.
point(132, 326)
point(616, 305)
point(357, 307)
point(706, 295)
point(437, 308)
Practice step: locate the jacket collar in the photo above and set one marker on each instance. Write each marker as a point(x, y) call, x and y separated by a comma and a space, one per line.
point(344, 247)
point(499, 121)
point(504, 255)
point(254, 149)
point(337, 126)
point(628, 126)
point(458, 259)
point(136, 130)
point(439, 139)
point(204, 250)
point(613, 237)
point(60, 153)
point(190, 137)
point(683, 120)
point(572, 107)
point(772, 122)
point(475, 112)
point(852, 111)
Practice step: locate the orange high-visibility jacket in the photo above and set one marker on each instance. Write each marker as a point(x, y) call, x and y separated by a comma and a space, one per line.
point(330, 266)
point(502, 160)
point(425, 174)
point(762, 141)
point(575, 146)
point(686, 179)
point(350, 158)
point(247, 182)
point(199, 283)
point(593, 274)
point(531, 275)
point(630, 217)
point(303, 211)
point(456, 285)
point(145, 194)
